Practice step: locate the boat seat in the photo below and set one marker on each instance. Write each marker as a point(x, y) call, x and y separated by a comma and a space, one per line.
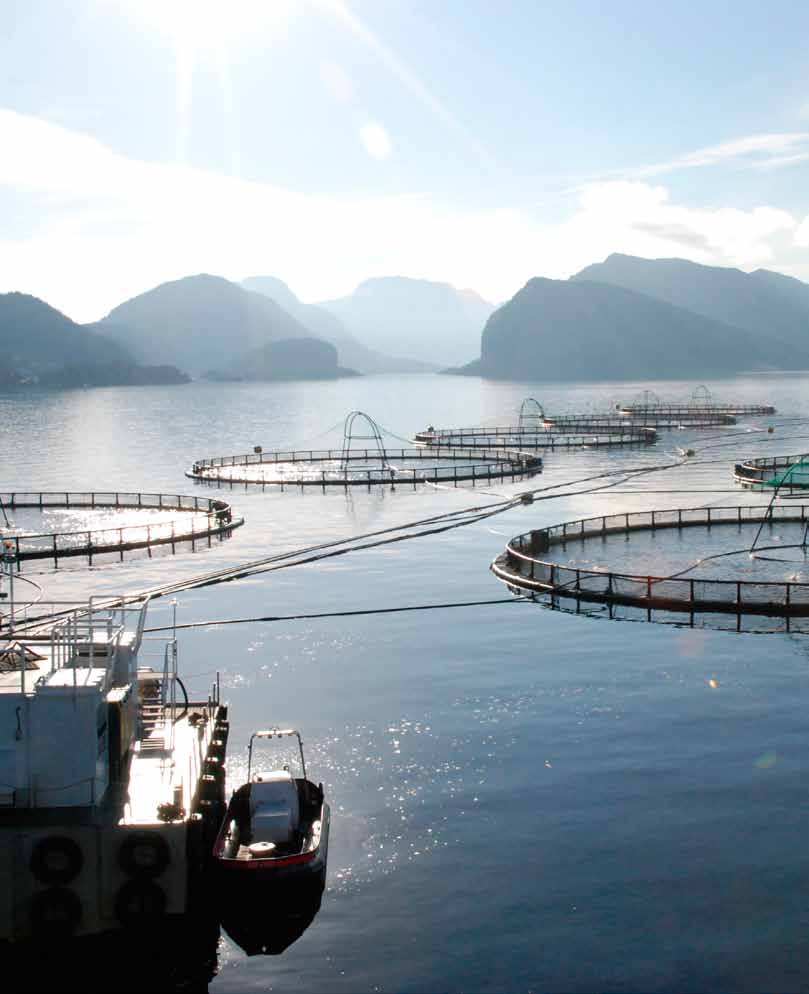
point(274, 808)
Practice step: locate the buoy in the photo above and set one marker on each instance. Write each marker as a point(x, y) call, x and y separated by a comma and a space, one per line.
point(260, 849)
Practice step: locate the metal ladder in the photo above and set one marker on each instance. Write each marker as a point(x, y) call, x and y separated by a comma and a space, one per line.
point(156, 711)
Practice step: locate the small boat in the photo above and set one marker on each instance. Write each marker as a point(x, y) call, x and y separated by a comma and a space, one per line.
point(271, 853)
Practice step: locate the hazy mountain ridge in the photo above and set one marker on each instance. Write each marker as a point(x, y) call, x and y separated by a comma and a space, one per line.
point(41, 346)
point(322, 323)
point(764, 302)
point(638, 318)
point(583, 330)
point(199, 323)
point(415, 318)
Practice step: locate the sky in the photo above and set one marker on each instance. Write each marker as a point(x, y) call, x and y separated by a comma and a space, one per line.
point(327, 141)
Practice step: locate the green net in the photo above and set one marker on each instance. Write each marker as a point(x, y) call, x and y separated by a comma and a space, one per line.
point(796, 475)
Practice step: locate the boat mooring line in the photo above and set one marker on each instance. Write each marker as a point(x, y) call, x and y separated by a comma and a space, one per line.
point(337, 614)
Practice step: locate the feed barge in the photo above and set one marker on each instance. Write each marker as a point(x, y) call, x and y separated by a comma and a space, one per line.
point(111, 779)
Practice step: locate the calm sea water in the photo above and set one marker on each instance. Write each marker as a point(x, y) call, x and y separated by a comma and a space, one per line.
point(522, 800)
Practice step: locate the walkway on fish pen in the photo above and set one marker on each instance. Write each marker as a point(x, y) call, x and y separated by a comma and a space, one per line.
point(187, 522)
point(527, 565)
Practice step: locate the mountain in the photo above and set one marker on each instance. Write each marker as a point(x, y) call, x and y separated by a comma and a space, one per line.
point(198, 323)
point(415, 318)
point(36, 337)
point(764, 302)
point(40, 345)
point(788, 287)
point(582, 330)
point(289, 359)
point(328, 326)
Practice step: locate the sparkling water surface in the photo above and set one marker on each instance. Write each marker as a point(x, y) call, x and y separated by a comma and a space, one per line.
point(521, 799)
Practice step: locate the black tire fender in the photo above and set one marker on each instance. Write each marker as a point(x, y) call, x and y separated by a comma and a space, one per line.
point(56, 860)
point(140, 902)
point(144, 855)
point(55, 913)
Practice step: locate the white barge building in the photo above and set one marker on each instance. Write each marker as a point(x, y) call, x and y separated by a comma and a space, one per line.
point(111, 780)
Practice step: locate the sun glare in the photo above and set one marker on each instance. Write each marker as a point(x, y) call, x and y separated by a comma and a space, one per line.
point(212, 24)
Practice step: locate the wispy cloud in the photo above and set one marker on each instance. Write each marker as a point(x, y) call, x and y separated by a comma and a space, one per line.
point(756, 151)
point(779, 162)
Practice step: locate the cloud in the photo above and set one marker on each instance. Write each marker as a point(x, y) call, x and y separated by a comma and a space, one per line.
point(639, 219)
point(91, 228)
point(678, 233)
point(802, 233)
point(779, 162)
point(764, 150)
point(376, 140)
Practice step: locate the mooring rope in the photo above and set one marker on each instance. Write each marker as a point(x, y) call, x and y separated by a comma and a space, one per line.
point(433, 525)
point(339, 614)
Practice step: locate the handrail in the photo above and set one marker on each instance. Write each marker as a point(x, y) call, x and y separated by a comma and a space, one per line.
point(696, 408)
point(537, 438)
point(757, 469)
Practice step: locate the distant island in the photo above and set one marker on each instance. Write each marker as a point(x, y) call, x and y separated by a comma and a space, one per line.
point(289, 359)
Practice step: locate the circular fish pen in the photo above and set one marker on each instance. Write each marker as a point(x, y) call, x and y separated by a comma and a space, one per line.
point(109, 525)
point(531, 432)
point(366, 465)
point(779, 472)
point(751, 572)
point(700, 405)
point(533, 438)
point(662, 419)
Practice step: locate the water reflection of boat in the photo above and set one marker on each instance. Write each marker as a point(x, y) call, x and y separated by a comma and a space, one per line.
point(270, 855)
point(271, 925)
